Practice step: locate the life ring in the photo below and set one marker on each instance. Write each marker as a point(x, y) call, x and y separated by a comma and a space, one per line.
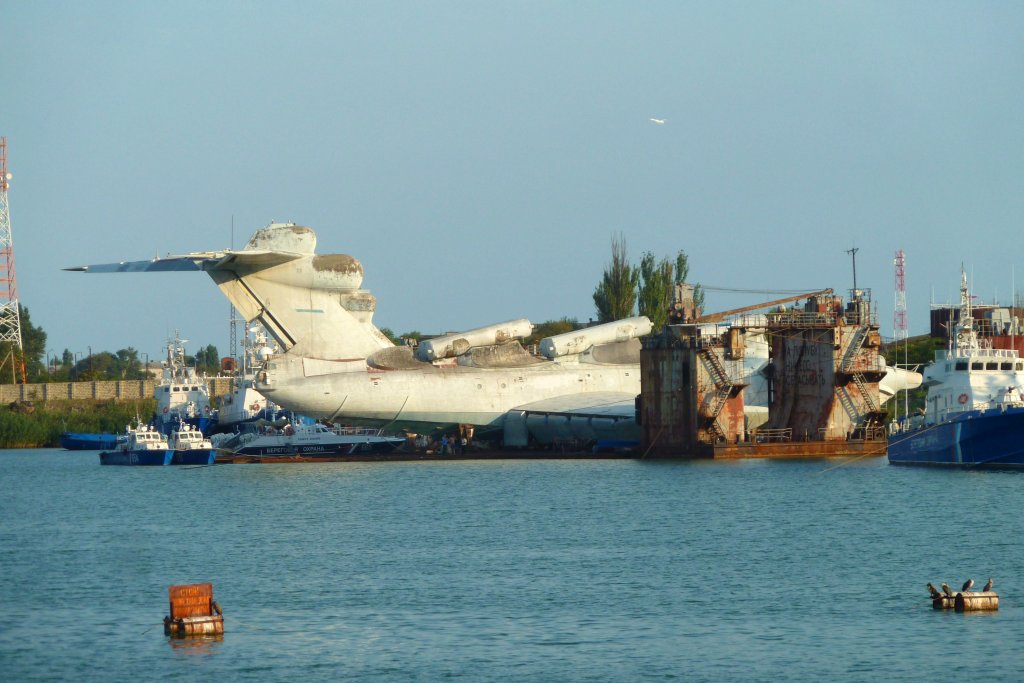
point(165, 410)
point(963, 398)
point(255, 407)
point(206, 409)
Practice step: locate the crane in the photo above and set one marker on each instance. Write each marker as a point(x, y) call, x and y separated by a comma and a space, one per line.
point(722, 315)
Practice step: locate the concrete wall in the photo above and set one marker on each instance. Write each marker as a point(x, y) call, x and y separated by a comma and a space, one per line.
point(127, 390)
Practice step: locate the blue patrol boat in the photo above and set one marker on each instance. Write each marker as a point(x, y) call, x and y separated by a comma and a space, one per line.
point(975, 409)
point(144, 446)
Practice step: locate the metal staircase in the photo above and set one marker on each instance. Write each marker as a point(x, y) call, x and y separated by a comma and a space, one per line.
point(853, 349)
point(848, 366)
point(858, 379)
point(724, 387)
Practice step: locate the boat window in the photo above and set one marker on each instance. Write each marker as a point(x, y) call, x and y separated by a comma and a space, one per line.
point(1020, 366)
point(991, 366)
point(1006, 366)
point(167, 390)
point(177, 388)
point(977, 365)
point(961, 365)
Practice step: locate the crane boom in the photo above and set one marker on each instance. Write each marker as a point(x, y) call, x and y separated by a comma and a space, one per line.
point(722, 315)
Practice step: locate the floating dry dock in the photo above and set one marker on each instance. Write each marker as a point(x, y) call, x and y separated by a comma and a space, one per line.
point(822, 383)
point(193, 611)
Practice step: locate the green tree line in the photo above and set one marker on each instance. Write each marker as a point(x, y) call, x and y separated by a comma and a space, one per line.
point(646, 289)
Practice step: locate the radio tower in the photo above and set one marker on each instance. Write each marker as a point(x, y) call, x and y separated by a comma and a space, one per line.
point(899, 318)
point(10, 317)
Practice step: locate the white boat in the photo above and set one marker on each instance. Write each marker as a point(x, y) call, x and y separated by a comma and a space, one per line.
point(244, 403)
point(182, 396)
point(144, 445)
point(188, 438)
point(975, 408)
point(264, 439)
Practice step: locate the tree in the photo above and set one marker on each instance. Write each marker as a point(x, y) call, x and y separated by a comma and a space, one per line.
point(656, 290)
point(207, 361)
point(658, 280)
point(615, 296)
point(550, 328)
point(682, 271)
point(33, 348)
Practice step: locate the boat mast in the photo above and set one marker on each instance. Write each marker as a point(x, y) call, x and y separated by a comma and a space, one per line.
point(965, 339)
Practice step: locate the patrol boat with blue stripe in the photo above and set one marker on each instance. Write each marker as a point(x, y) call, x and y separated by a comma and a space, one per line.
point(975, 408)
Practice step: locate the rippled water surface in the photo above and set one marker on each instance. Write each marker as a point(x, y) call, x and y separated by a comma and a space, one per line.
point(508, 570)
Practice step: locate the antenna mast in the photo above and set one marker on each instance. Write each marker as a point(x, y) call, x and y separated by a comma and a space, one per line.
point(899, 320)
point(233, 315)
point(10, 317)
point(853, 252)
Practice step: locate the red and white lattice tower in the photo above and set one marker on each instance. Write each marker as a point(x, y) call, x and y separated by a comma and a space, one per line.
point(899, 317)
point(899, 324)
point(10, 319)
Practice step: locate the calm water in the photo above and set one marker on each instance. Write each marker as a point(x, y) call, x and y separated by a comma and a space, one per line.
point(539, 570)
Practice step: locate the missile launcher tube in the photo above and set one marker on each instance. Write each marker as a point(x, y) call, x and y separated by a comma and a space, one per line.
point(459, 343)
point(579, 341)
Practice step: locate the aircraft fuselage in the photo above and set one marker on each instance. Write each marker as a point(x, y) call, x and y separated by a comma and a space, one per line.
point(430, 397)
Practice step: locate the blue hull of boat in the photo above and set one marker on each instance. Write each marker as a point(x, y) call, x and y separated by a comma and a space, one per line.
point(79, 441)
point(194, 457)
point(136, 458)
point(991, 438)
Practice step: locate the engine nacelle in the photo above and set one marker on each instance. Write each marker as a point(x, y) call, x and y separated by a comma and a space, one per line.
point(459, 343)
point(579, 341)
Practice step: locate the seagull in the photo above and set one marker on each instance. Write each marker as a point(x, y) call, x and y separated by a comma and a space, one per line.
point(988, 586)
point(660, 122)
point(946, 590)
point(935, 593)
point(967, 585)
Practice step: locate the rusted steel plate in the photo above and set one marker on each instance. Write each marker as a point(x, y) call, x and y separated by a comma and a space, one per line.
point(191, 600)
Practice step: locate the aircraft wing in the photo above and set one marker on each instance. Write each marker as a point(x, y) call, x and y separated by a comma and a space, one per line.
point(605, 404)
point(203, 260)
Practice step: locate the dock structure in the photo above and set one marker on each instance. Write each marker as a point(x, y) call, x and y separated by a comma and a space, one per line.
point(822, 376)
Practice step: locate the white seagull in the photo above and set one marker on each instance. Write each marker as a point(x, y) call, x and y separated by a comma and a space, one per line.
point(660, 122)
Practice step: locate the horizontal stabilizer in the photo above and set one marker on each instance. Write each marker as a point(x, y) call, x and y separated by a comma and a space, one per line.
point(203, 260)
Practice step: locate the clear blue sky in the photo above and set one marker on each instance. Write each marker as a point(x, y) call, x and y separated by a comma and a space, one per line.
point(478, 157)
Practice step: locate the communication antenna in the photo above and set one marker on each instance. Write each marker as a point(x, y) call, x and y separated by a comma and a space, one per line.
point(233, 314)
point(899, 319)
point(10, 317)
point(853, 253)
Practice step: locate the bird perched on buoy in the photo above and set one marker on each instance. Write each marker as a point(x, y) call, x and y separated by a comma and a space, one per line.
point(935, 594)
point(947, 590)
point(967, 585)
point(988, 586)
